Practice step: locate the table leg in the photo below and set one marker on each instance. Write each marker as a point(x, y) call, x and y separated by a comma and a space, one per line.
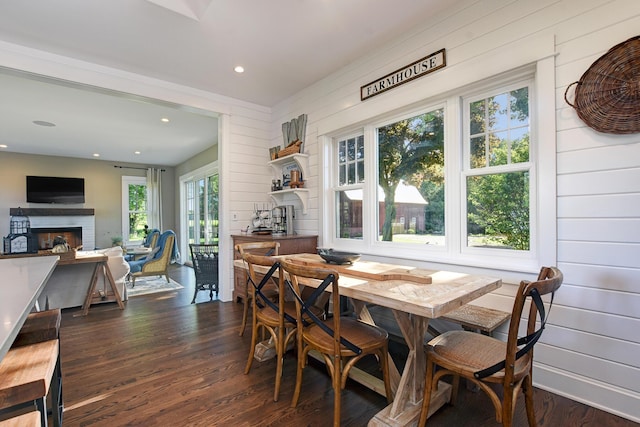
point(363, 314)
point(405, 408)
point(90, 291)
point(112, 283)
point(106, 272)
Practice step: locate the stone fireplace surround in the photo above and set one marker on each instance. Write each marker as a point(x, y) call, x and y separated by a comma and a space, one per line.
point(52, 218)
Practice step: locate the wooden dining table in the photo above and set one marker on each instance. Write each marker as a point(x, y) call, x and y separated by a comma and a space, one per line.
point(414, 295)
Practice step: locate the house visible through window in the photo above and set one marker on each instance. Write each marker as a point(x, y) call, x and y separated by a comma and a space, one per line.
point(411, 179)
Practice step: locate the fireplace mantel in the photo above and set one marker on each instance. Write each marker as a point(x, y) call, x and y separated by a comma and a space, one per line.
point(52, 211)
point(52, 218)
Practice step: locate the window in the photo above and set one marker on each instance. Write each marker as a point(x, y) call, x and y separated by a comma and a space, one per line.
point(497, 171)
point(394, 188)
point(411, 179)
point(134, 209)
point(350, 164)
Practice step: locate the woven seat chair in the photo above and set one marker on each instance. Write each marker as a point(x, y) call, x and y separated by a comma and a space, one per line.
point(205, 267)
point(257, 248)
point(487, 361)
point(275, 315)
point(342, 341)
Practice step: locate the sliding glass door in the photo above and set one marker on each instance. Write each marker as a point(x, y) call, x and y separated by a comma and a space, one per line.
point(200, 195)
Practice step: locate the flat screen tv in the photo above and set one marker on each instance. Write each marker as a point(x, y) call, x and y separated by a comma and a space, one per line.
point(50, 189)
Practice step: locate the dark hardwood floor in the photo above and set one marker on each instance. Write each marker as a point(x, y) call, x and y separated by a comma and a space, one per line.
point(165, 362)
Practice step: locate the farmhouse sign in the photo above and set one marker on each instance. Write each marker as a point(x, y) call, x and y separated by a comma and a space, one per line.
point(412, 71)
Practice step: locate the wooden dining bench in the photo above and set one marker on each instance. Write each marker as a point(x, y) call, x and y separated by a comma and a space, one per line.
point(477, 319)
point(470, 317)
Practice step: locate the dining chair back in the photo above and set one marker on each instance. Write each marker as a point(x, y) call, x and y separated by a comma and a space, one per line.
point(205, 267)
point(268, 314)
point(487, 361)
point(341, 341)
point(257, 248)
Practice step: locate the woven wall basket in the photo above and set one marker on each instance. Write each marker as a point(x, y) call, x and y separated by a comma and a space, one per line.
point(607, 96)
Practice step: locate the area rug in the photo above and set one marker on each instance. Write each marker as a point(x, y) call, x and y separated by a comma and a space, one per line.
point(152, 285)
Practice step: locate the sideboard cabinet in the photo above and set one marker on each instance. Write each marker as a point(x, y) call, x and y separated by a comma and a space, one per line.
point(288, 245)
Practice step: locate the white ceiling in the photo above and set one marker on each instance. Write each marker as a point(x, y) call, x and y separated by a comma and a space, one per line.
point(284, 46)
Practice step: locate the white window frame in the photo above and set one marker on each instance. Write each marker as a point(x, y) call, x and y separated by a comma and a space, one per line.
point(530, 166)
point(542, 176)
point(126, 181)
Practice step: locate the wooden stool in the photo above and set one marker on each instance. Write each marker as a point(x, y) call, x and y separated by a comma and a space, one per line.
point(28, 373)
point(40, 326)
point(30, 419)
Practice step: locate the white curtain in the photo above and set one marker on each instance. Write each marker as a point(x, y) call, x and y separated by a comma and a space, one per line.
point(154, 194)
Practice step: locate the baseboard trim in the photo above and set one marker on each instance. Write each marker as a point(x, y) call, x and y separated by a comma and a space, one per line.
point(615, 400)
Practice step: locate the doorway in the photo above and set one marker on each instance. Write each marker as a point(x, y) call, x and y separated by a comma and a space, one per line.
point(199, 195)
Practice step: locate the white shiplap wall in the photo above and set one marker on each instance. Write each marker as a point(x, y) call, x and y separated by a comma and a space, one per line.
point(591, 348)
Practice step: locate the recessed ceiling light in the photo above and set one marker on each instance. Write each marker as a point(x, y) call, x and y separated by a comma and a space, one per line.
point(43, 123)
point(4, 146)
point(164, 120)
point(136, 152)
point(239, 69)
point(96, 155)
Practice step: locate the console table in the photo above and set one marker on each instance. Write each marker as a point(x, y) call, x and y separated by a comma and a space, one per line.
point(101, 268)
point(90, 296)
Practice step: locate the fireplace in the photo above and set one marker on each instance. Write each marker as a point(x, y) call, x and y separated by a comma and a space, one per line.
point(46, 236)
point(77, 225)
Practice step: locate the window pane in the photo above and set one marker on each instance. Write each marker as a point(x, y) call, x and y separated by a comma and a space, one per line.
point(504, 127)
point(411, 180)
point(478, 152)
point(477, 118)
point(351, 161)
point(349, 205)
point(137, 215)
point(137, 197)
point(498, 211)
point(351, 149)
point(498, 112)
point(498, 148)
point(137, 221)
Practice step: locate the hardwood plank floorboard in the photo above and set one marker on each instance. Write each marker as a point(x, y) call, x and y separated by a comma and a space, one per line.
point(165, 362)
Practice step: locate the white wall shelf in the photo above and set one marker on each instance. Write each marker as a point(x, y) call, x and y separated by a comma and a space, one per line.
point(302, 160)
point(301, 193)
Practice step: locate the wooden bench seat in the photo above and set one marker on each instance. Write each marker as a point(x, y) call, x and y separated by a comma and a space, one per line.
point(39, 326)
point(30, 419)
point(475, 318)
point(470, 317)
point(28, 373)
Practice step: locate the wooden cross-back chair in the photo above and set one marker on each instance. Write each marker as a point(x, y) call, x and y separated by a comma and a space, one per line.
point(267, 314)
point(272, 313)
point(341, 341)
point(257, 248)
point(487, 361)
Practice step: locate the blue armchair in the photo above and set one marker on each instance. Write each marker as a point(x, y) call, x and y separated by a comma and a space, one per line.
point(157, 262)
point(152, 238)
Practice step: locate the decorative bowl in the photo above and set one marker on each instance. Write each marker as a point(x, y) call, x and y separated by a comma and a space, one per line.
point(338, 257)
